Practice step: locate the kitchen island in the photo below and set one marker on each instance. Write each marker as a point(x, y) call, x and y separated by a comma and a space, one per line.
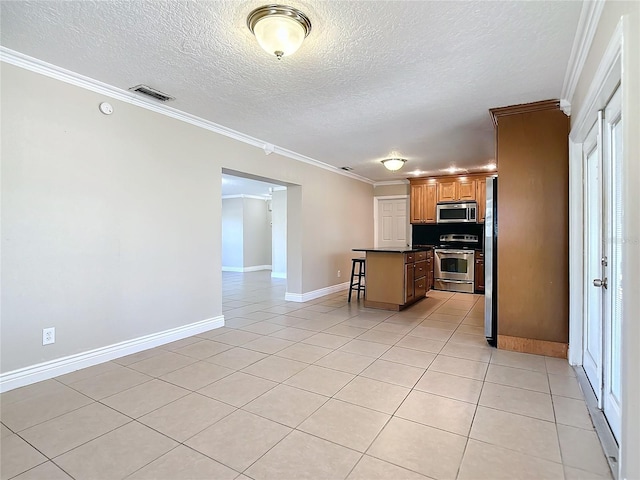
point(396, 277)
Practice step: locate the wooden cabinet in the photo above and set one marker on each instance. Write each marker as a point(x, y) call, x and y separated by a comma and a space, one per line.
point(466, 189)
point(415, 276)
point(409, 279)
point(457, 189)
point(427, 192)
point(423, 202)
point(429, 268)
point(481, 198)
point(447, 190)
point(478, 273)
point(533, 243)
point(395, 280)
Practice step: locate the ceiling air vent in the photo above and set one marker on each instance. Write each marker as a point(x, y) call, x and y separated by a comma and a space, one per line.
point(152, 92)
point(346, 169)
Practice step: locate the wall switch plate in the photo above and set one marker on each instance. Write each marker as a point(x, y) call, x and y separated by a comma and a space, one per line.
point(338, 273)
point(48, 335)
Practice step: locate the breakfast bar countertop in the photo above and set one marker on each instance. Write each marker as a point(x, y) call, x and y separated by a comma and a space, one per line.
point(390, 249)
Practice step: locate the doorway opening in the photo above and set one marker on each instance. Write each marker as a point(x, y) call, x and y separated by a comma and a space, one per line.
point(260, 227)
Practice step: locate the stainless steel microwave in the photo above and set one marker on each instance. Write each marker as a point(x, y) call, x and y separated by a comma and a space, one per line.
point(457, 212)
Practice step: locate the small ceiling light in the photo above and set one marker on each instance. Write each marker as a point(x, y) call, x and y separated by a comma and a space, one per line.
point(393, 164)
point(280, 30)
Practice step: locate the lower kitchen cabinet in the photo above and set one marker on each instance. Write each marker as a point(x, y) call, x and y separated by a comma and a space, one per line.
point(478, 274)
point(429, 268)
point(396, 278)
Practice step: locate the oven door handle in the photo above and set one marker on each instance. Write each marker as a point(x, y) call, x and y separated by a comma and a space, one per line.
point(452, 281)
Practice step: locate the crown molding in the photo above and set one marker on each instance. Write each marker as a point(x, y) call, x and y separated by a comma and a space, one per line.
point(603, 84)
point(499, 112)
point(38, 66)
point(585, 32)
point(391, 182)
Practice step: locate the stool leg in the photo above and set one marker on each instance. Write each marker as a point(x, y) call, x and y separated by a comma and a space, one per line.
point(353, 269)
point(359, 278)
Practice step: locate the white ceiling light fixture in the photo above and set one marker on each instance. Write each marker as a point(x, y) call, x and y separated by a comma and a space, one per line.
point(279, 29)
point(393, 164)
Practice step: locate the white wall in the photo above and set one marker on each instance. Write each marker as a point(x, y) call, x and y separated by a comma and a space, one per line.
point(256, 220)
point(246, 234)
point(111, 224)
point(279, 234)
point(232, 233)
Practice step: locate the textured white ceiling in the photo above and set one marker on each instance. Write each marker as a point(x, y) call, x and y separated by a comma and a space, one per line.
point(411, 77)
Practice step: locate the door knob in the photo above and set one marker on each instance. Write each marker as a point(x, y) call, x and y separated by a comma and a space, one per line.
point(600, 283)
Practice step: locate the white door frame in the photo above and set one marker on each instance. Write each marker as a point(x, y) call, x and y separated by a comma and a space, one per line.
point(606, 79)
point(593, 195)
point(611, 398)
point(376, 201)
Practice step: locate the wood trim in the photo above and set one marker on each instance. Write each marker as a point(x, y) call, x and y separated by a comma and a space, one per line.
point(382, 305)
point(433, 179)
point(531, 345)
point(498, 112)
point(392, 306)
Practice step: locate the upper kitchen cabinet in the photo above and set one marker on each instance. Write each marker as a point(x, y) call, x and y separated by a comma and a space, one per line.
point(457, 189)
point(423, 201)
point(533, 242)
point(427, 192)
point(481, 198)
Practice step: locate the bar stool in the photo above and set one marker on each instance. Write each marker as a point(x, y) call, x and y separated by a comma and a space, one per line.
point(357, 277)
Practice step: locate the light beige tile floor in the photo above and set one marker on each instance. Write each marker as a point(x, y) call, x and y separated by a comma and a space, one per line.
point(316, 390)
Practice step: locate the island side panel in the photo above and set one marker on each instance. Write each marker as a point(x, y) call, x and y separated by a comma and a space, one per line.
point(384, 278)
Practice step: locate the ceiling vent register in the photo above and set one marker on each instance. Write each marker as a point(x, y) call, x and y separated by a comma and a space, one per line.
point(152, 92)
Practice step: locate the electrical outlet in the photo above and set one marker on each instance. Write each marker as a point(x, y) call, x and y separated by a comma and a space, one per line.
point(338, 273)
point(48, 335)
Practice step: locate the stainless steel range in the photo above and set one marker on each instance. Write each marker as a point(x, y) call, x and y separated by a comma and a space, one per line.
point(454, 263)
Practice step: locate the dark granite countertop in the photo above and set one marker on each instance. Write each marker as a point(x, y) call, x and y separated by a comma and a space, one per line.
point(390, 250)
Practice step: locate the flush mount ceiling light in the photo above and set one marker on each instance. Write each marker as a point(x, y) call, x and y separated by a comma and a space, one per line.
point(393, 164)
point(280, 30)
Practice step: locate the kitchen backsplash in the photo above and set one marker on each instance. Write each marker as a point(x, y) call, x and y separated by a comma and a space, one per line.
point(430, 234)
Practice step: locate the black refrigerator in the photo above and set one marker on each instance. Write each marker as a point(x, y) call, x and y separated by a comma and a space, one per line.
point(491, 263)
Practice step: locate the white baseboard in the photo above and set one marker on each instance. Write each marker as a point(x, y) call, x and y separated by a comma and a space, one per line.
point(60, 366)
point(255, 268)
point(278, 274)
point(312, 295)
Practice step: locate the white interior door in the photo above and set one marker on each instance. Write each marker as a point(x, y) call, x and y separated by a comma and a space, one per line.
point(593, 215)
point(392, 223)
point(613, 252)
